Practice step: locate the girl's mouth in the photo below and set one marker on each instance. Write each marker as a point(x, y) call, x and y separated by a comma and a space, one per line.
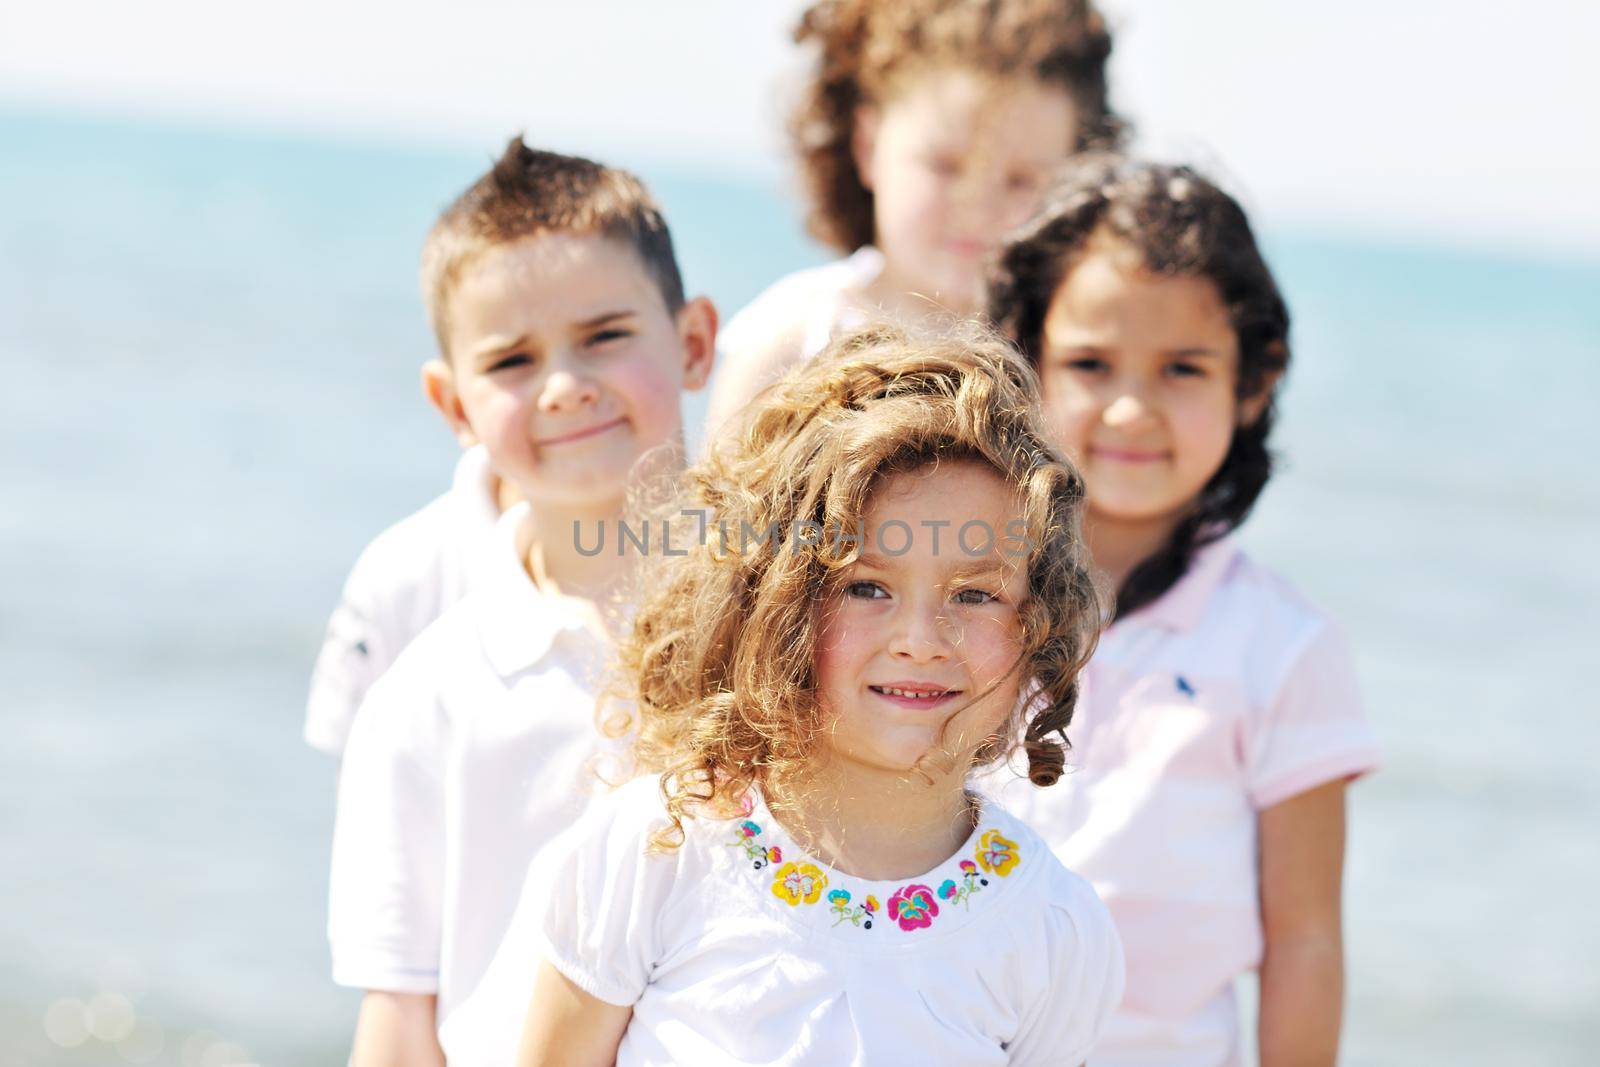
point(914, 696)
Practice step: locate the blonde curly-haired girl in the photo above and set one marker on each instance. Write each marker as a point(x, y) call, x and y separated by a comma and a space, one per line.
point(876, 587)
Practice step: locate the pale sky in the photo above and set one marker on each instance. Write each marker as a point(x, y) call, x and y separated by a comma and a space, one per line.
point(1457, 120)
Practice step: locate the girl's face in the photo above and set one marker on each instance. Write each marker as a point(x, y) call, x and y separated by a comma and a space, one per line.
point(1138, 372)
point(954, 159)
point(926, 623)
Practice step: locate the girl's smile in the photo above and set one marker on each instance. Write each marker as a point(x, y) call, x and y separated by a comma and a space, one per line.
point(918, 650)
point(1139, 375)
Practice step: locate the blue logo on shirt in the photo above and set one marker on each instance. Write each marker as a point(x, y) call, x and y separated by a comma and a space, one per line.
point(1184, 687)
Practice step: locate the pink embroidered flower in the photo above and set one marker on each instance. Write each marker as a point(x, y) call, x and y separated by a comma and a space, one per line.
point(747, 804)
point(913, 906)
point(775, 854)
point(996, 853)
point(947, 889)
point(871, 904)
point(798, 882)
point(968, 867)
point(749, 829)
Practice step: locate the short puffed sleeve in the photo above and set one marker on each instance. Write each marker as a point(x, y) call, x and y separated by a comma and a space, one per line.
point(1082, 977)
point(606, 892)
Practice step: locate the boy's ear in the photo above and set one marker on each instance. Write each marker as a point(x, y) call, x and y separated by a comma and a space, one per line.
point(439, 386)
point(1251, 407)
point(863, 138)
point(697, 333)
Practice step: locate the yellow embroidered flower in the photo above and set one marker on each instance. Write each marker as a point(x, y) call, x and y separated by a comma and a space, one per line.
point(798, 882)
point(996, 853)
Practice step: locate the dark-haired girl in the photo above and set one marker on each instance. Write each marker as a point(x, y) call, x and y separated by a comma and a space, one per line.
point(1220, 722)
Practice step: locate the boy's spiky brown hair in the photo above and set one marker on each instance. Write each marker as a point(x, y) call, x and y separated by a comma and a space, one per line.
point(528, 192)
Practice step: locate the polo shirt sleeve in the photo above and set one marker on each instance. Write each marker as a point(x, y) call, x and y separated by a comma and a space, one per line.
point(1313, 730)
point(356, 651)
point(385, 911)
point(1086, 971)
point(606, 892)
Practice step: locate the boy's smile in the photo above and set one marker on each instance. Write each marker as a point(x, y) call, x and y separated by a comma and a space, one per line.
point(567, 365)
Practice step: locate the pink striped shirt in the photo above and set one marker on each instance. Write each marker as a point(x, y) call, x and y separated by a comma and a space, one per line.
point(1224, 697)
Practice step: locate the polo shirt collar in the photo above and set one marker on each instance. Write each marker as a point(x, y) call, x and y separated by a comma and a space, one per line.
point(517, 623)
point(1183, 606)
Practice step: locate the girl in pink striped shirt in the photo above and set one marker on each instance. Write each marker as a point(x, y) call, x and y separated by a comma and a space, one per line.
point(1219, 723)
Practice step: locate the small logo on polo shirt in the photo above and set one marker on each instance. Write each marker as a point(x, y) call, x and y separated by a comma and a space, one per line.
point(1185, 688)
point(361, 647)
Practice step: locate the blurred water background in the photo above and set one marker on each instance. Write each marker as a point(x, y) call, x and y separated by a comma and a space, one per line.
point(210, 342)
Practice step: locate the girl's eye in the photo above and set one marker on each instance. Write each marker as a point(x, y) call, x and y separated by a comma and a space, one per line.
point(975, 596)
point(507, 362)
point(1086, 364)
point(865, 591)
point(604, 336)
point(1185, 370)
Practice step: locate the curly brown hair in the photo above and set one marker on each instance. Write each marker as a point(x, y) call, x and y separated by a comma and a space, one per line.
point(861, 44)
point(1180, 224)
point(717, 666)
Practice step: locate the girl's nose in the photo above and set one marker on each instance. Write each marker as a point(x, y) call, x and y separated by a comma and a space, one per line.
point(918, 634)
point(1128, 408)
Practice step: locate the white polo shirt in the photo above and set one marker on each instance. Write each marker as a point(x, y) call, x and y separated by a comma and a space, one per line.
point(471, 754)
point(404, 580)
point(1224, 697)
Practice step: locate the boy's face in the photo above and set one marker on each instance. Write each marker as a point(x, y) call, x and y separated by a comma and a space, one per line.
point(566, 364)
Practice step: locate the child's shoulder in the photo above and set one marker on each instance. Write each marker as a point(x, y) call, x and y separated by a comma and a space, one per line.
point(1255, 624)
point(1230, 606)
point(411, 557)
point(789, 306)
point(1066, 896)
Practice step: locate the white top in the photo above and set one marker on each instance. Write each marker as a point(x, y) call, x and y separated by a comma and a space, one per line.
point(810, 304)
point(1224, 697)
point(404, 580)
point(468, 757)
point(789, 322)
point(738, 948)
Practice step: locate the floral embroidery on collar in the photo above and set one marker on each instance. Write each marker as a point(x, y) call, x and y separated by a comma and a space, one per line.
point(860, 915)
point(912, 907)
point(758, 855)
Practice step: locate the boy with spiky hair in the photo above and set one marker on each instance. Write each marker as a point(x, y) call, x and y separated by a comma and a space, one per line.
point(565, 343)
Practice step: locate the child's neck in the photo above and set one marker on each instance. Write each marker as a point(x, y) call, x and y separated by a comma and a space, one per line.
point(1117, 546)
point(878, 825)
point(553, 559)
point(896, 296)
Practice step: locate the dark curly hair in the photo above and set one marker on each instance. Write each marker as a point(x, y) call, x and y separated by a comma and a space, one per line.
point(861, 44)
point(1181, 224)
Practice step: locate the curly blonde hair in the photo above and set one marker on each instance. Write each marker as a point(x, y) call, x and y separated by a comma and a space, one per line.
point(862, 44)
point(716, 668)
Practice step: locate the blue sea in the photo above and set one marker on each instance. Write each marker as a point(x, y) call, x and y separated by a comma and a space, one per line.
point(210, 343)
